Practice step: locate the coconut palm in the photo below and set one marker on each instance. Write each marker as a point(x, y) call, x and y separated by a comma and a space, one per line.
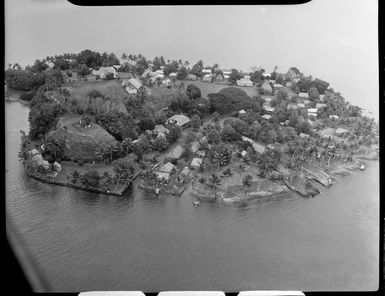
point(75, 176)
point(100, 152)
point(246, 181)
point(214, 182)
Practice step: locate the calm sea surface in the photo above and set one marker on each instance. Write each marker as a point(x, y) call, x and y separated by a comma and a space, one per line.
point(85, 241)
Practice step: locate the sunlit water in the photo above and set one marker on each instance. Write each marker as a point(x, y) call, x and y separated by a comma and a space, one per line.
point(85, 241)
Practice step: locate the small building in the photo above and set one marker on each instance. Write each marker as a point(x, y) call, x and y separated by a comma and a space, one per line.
point(195, 147)
point(219, 78)
point(207, 78)
point(333, 116)
point(132, 85)
point(160, 130)
point(201, 153)
point(306, 102)
point(292, 106)
point(245, 81)
point(166, 82)
point(268, 108)
point(301, 105)
point(192, 77)
point(172, 75)
point(167, 168)
point(267, 99)
point(266, 75)
point(185, 172)
point(302, 135)
point(341, 131)
point(206, 71)
point(303, 95)
point(312, 112)
point(179, 119)
point(259, 148)
point(226, 72)
point(266, 87)
point(146, 73)
point(162, 176)
point(320, 105)
point(159, 72)
point(175, 153)
point(278, 86)
point(266, 116)
point(104, 71)
point(196, 163)
point(244, 153)
point(321, 97)
point(242, 112)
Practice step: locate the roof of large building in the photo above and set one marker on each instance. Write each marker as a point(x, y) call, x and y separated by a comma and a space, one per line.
point(320, 105)
point(167, 168)
point(302, 135)
point(266, 116)
point(312, 110)
point(196, 162)
point(135, 83)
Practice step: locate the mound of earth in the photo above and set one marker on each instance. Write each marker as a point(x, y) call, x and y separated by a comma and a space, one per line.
point(81, 143)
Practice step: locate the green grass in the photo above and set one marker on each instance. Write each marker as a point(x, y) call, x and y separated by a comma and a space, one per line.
point(108, 88)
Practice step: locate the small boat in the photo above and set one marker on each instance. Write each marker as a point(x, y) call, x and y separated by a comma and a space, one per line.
point(196, 203)
point(362, 167)
point(157, 191)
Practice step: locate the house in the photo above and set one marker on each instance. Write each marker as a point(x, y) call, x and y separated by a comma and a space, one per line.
point(162, 176)
point(226, 72)
point(196, 163)
point(268, 108)
point(116, 67)
point(320, 105)
point(266, 75)
point(175, 153)
point(159, 72)
point(266, 116)
point(259, 148)
point(303, 95)
point(206, 71)
point(333, 116)
point(195, 147)
point(272, 81)
point(166, 82)
point(160, 130)
point(341, 131)
point(146, 73)
point(267, 99)
point(312, 112)
point(245, 81)
point(172, 75)
point(301, 105)
point(292, 106)
point(244, 153)
point(321, 97)
point(167, 168)
point(132, 85)
point(185, 172)
point(302, 135)
point(266, 87)
point(278, 86)
point(33, 152)
point(219, 78)
point(104, 71)
point(271, 147)
point(207, 78)
point(201, 153)
point(242, 111)
point(179, 119)
point(306, 102)
point(191, 77)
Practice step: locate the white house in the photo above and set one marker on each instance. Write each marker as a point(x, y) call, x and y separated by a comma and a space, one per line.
point(242, 111)
point(268, 108)
point(103, 71)
point(179, 119)
point(312, 112)
point(132, 85)
point(206, 71)
point(196, 163)
point(266, 116)
point(172, 75)
point(166, 82)
point(303, 95)
point(278, 86)
point(333, 116)
point(320, 105)
point(245, 81)
point(207, 78)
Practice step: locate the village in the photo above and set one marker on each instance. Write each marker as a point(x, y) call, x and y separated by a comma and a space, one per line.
point(199, 132)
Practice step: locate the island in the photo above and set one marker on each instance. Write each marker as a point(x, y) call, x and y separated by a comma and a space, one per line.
point(103, 124)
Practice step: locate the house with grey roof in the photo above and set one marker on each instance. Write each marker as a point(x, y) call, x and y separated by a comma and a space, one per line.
point(179, 119)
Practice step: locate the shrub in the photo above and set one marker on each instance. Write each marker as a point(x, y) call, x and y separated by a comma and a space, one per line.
point(28, 96)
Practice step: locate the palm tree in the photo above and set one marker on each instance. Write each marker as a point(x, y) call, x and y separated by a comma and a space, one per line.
point(126, 143)
point(246, 181)
point(100, 152)
point(242, 168)
point(215, 117)
point(75, 176)
point(124, 56)
point(220, 159)
point(214, 182)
